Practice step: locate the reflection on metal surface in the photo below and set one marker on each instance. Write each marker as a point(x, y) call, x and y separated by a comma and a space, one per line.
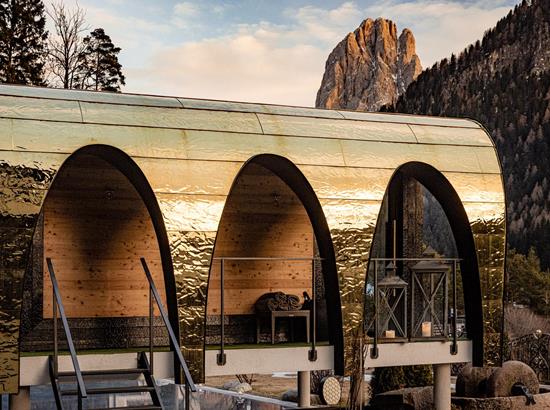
point(191, 255)
point(446, 135)
point(191, 157)
point(409, 119)
point(170, 118)
point(348, 183)
point(450, 158)
point(240, 147)
point(20, 204)
point(40, 109)
point(66, 138)
point(326, 128)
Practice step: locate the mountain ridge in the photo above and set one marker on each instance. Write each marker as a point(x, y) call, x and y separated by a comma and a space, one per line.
point(369, 68)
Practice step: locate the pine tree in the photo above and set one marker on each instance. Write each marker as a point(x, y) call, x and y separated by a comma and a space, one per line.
point(504, 82)
point(22, 41)
point(100, 69)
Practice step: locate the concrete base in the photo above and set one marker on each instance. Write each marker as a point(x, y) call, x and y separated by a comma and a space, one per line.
point(442, 386)
point(304, 389)
point(268, 360)
point(22, 400)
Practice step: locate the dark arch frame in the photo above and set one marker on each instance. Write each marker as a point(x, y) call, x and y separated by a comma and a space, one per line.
point(440, 187)
point(127, 166)
point(289, 173)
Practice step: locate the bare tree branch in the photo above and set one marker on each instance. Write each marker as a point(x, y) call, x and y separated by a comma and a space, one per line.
point(65, 48)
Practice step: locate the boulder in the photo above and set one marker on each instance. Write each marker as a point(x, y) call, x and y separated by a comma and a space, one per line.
point(292, 396)
point(418, 398)
point(502, 403)
point(237, 387)
point(502, 380)
point(472, 381)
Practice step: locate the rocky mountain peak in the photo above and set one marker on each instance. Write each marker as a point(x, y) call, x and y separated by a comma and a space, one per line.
point(369, 68)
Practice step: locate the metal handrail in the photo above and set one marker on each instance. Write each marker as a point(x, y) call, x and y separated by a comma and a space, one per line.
point(58, 304)
point(312, 354)
point(448, 260)
point(189, 384)
point(263, 258)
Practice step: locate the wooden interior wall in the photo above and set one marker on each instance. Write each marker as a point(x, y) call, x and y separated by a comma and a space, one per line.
point(96, 227)
point(262, 218)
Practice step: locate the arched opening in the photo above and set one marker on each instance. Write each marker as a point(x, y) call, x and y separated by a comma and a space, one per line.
point(273, 237)
point(423, 239)
point(99, 217)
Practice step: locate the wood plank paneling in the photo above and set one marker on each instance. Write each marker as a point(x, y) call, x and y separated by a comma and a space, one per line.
point(96, 227)
point(262, 218)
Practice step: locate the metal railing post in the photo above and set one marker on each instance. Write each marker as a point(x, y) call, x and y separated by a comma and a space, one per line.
point(312, 355)
point(374, 349)
point(172, 336)
point(187, 396)
point(55, 348)
point(221, 358)
point(70, 344)
point(151, 353)
point(454, 345)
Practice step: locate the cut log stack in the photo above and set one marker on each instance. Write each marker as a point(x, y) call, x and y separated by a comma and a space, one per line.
point(274, 301)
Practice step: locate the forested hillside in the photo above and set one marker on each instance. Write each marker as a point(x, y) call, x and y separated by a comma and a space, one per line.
point(503, 81)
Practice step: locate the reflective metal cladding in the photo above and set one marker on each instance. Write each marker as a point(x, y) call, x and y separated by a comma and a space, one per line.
point(191, 150)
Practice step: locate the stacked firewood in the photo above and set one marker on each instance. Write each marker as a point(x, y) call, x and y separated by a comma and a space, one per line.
point(273, 301)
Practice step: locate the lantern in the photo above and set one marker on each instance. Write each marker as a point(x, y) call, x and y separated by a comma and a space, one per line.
point(392, 305)
point(430, 300)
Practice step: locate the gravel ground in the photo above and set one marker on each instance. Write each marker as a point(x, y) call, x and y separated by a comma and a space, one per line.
point(274, 385)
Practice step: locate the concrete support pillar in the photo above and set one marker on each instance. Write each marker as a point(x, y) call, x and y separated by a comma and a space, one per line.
point(304, 389)
point(22, 400)
point(442, 386)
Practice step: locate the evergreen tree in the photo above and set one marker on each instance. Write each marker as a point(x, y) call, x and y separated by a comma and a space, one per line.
point(22, 41)
point(504, 83)
point(100, 69)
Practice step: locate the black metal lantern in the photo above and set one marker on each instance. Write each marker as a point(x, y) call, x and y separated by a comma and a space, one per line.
point(430, 300)
point(392, 305)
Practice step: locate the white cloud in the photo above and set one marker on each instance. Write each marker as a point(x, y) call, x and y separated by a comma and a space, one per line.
point(186, 9)
point(276, 63)
point(442, 27)
point(246, 66)
point(260, 62)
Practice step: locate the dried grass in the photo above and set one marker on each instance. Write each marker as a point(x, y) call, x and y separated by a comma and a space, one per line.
point(521, 321)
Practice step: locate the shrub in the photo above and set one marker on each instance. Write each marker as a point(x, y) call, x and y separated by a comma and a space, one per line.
point(387, 378)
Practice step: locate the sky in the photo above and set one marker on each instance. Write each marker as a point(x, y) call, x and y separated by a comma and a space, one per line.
point(270, 51)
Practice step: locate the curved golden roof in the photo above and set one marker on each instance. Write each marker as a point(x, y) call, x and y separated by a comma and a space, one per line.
point(190, 150)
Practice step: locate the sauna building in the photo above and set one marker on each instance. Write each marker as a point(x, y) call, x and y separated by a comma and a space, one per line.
point(240, 238)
